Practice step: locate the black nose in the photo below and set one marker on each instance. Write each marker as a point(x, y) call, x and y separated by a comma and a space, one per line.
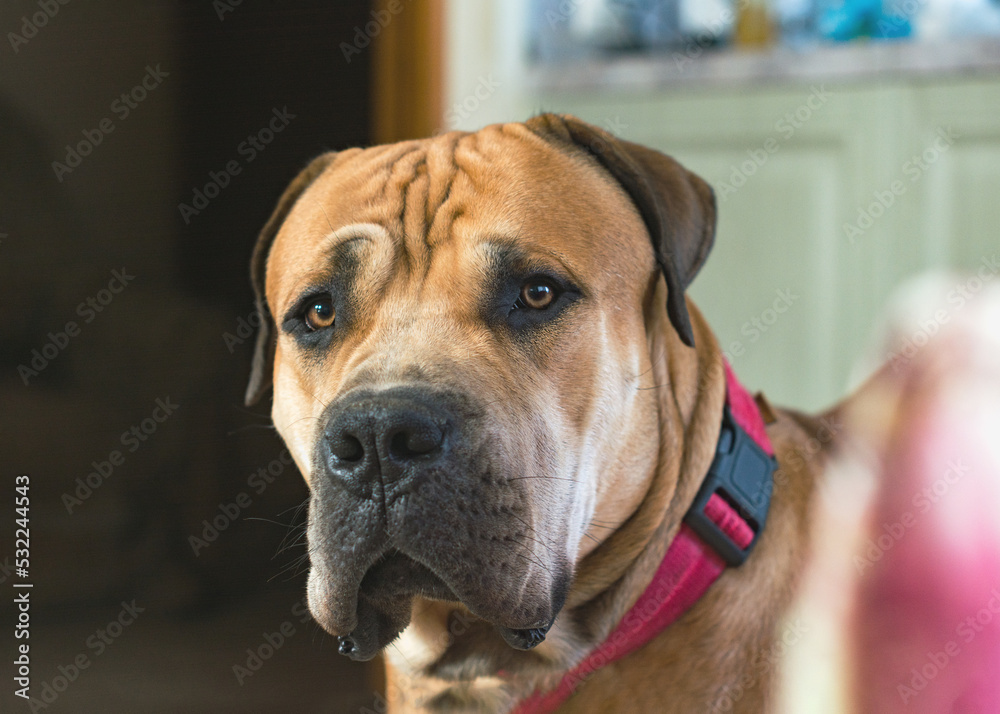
point(384, 435)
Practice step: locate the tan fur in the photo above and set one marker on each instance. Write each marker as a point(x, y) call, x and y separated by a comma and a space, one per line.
point(633, 413)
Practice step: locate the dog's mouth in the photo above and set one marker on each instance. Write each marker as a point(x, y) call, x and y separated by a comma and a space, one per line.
point(385, 603)
point(449, 524)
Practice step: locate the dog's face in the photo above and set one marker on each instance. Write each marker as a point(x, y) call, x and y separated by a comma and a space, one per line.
point(460, 338)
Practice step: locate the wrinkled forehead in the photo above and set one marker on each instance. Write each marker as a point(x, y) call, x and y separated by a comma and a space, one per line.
point(503, 185)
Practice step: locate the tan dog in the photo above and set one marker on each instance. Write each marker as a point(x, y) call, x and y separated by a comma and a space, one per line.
point(485, 367)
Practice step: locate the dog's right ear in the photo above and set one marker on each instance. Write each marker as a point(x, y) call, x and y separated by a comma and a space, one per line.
point(263, 356)
point(677, 206)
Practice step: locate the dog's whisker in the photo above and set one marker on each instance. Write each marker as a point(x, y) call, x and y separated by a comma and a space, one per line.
point(249, 412)
point(298, 509)
point(268, 520)
point(316, 418)
point(543, 478)
point(598, 525)
point(533, 539)
point(294, 565)
point(249, 427)
point(300, 541)
point(298, 533)
point(532, 561)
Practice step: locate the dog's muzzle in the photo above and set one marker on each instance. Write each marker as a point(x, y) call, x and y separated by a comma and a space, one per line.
point(411, 499)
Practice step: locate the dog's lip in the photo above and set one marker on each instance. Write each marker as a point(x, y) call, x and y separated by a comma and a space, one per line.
point(385, 600)
point(385, 603)
point(389, 571)
point(398, 563)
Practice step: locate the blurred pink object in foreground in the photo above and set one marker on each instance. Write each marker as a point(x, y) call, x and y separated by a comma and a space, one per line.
point(926, 622)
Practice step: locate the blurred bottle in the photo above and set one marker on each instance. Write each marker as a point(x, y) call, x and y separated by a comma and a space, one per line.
point(754, 27)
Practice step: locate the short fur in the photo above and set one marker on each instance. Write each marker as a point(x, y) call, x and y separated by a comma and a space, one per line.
point(582, 443)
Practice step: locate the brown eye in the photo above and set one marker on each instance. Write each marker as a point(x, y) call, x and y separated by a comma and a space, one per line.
point(320, 313)
point(538, 294)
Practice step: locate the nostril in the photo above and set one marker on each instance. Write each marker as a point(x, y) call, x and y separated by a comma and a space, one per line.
point(410, 443)
point(347, 448)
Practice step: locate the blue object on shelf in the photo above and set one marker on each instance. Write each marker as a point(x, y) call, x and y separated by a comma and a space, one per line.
point(846, 20)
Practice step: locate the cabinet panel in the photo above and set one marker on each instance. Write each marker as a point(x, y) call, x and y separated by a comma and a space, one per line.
point(770, 288)
point(962, 199)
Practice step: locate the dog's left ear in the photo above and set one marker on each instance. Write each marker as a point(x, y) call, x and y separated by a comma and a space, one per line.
point(263, 356)
point(677, 206)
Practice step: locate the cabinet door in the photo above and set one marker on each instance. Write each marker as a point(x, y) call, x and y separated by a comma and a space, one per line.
point(958, 127)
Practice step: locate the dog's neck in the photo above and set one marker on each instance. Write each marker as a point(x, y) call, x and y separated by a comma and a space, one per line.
point(448, 658)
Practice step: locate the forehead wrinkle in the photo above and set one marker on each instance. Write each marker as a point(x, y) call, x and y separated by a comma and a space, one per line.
point(390, 175)
point(400, 194)
point(443, 170)
point(414, 211)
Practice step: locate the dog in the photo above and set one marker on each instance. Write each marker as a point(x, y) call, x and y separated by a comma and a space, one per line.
point(486, 368)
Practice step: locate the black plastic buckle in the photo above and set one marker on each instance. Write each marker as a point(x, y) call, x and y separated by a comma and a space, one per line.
point(742, 474)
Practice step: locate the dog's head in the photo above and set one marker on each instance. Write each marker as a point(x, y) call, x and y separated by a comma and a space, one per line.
point(457, 330)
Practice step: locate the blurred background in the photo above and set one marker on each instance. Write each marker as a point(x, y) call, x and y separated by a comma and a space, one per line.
point(142, 145)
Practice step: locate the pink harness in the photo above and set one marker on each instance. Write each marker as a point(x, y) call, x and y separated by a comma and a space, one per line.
point(720, 529)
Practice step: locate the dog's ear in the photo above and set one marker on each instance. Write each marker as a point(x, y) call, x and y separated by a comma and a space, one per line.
point(677, 206)
point(263, 356)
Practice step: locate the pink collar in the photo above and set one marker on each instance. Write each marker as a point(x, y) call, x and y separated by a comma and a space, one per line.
point(720, 529)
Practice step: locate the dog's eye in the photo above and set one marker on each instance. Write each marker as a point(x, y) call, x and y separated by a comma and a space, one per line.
point(537, 294)
point(320, 313)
